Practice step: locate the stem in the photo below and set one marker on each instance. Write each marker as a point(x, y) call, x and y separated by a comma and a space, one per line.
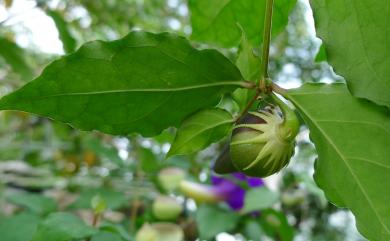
point(266, 42)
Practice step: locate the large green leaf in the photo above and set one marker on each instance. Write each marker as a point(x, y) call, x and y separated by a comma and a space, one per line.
point(200, 130)
point(355, 34)
point(142, 83)
point(215, 21)
point(62, 227)
point(352, 139)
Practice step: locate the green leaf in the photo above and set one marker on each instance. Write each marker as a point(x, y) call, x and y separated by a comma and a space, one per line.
point(212, 221)
point(35, 202)
point(113, 199)
point(253, 230)
point(129, 85)
point(16, 58)
point(200, 130)
point(106, 236)
point(215, 21)
point(19, 227)
point(275, 224)
point(148, 160)
point(62, 227)
point(68, 41)
point(355, 35)
point(247, 61)
point(351, 137)
point(259, 198)
point(321, 55)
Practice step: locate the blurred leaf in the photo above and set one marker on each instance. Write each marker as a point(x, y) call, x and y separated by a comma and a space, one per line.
point(275, 224)
point(247, 62)
point(200, 130)
point(106, 236)
point(355, 35)
point(211, 221)
point(34, 202)
point(148, 160)
point(62, 227)
point(113, 199)
point(253, 230)
point(116, 229)
point(321, 55)
point(259, 198)
point(98, 204)
point(215, 21)
point(19, 227)
point(104, 151)
point(350, 136)
point(16, 58)
point(68, 41)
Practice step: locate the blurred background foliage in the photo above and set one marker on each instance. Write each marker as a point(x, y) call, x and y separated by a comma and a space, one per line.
point(51, 174)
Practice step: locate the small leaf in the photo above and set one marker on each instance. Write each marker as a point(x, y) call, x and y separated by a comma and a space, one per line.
point(19, 227)
point(355, 35)
point(129, 85)
point(34, 202)
point(275, 224)
point(247, 62)
point(215, 21)
point(200, 130)
point(259, 198)
point(68, 41)
point(62, 227)
point(351, 137)
point(212, 221)
point(98, 204)
point(113, 199)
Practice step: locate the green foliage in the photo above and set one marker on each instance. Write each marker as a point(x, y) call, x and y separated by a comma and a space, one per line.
point(20, 227)
point(37, 203)
point(62, 227)
point(200, 130)
point(216, 21)
point(106, 236)
point(212, 220)
point(350, 137)
point(113, 199)
point(357, 45)
point(129, 85)
point(16, 58)
point(258, 199)
point(247, 60)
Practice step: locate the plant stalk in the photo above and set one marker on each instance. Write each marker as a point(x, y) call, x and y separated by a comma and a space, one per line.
point(266, 42)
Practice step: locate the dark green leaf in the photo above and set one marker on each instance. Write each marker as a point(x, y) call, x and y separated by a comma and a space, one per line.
point(212, 221)
point(351, 137)
point(215, 21)
point(19, 227)
point(35, 202)
point(356, 39)
point(16, 58)
point(62, 227)
point(321, 55)
point(129, 85)
point(200, 130)
point(259, 198)
point(68, 42)
point(148, 160)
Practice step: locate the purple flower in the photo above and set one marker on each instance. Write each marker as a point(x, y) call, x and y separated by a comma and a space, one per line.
point(231, 188)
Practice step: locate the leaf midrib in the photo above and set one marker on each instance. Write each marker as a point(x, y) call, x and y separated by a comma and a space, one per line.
point(345, 160)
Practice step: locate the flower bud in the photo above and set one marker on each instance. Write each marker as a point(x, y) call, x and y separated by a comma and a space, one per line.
point(200, 192)
point(166, 208)
point(265, 145)
point(170, 178)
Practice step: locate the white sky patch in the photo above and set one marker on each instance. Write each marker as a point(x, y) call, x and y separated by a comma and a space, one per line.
point(41, 30)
